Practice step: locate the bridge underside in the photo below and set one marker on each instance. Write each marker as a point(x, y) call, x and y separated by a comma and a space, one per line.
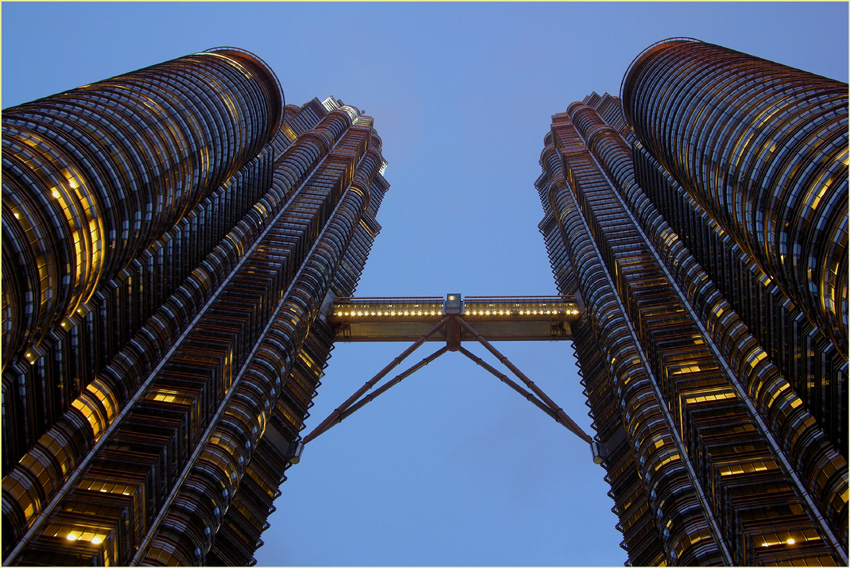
point(496, 318)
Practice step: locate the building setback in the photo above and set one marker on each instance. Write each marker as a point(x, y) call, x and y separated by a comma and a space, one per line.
point(703, 225)
point(169, 239)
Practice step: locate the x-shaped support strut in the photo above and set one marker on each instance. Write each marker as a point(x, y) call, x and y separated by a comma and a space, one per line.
point(453, 324)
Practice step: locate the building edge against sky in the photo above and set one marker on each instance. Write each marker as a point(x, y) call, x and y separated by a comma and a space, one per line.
point(705, 230)
point(170, 236)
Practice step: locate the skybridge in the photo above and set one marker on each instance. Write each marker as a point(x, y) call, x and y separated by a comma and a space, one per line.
point(495, 318)
point(452, 320)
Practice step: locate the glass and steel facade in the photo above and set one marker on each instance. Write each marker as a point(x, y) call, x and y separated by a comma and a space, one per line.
point(763, 148)
point(169, 239)
point(716, 374)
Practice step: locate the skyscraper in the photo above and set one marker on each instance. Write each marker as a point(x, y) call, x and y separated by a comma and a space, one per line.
point(169, 239)
point(702, 221)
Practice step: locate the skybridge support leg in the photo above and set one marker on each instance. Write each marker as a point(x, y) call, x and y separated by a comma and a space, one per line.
point(335, 415)
point(373, 395)
point(561, 415)
point(505, 379)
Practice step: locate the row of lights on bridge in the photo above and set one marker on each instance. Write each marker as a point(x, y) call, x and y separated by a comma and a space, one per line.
point(392, 313)
point(470, 312)
point(522, 312)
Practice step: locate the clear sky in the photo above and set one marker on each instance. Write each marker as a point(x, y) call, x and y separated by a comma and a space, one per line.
point(450, 467)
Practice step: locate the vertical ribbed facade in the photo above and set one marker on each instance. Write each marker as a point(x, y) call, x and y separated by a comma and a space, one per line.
point(169, 239)
point(763, 148)
point(714, 387)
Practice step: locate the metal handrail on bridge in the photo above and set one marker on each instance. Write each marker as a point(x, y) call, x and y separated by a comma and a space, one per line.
point(398, 300)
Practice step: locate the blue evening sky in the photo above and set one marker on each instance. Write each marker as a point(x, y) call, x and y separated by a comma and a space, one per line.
point(450, 467)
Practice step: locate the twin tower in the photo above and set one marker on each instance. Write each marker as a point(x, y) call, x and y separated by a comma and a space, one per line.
point(172, 238)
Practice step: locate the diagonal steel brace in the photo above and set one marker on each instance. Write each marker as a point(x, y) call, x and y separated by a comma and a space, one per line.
point(559, 412)
point(334, 417)
point(367, 398)
point(505, 379)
